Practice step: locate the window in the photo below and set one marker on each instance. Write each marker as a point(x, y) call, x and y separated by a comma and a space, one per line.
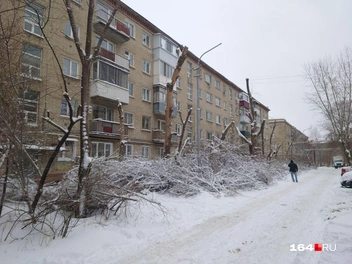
point(28, 105)
point(225, 122)
point(146, 66)
point(189, 132)
point(178, 129)
point(130, 88)
point(168, 45)
point(208, 79)
point(146, 94)
point(101, 149)
point(178, 106)
point(189, 91)
point(129, 151)
point(33, 18)
point(209, 116)
point(217, 84)
point(109, 73)
point(65, 111)
point(130, 57)
point(230, 94)
point(209, 135)
point(166, 69)
point(68, 30)
point(70, 68)
point(146, 122)
point(209, 97)
point(105, 44)
point(77, 1)
point(189, 107)
point(217, 101)
point(225, 105)
point(161, 152)
point(128, 119)
point(161, 125)
point(231, 110)
point(131, 27)
point(103, 112)
point(200, 93)
point(224, 90)
point(146, 39)
point(189, 69)
point(31, 60)
point(178, 83)
point(69, 152)
point(145, 152)
point(218, 119)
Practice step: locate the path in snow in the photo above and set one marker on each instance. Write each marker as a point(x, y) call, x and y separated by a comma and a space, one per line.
point(260, 230)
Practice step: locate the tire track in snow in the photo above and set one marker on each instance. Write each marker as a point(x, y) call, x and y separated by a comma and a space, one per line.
point(257, 225)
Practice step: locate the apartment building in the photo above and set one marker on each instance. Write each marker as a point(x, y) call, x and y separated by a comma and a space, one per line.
point(136, 62)
point(293, 142)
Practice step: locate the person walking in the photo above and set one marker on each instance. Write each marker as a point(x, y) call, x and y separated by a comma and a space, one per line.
point(293, 169)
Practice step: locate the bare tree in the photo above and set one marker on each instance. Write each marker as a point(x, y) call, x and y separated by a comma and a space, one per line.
point(255, 131)
point(331, 80)
point(169, 101)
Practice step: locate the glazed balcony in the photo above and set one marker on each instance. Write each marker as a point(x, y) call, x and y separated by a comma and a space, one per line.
point(244, 103)
point(244, 119)
point(106, 129)
point(117, 32)
point(246, 133)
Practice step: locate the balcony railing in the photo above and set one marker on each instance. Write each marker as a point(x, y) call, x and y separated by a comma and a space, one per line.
point(105, 128)
point(118, 32)
point(159, 136)
point(106, 90)
point(244, 119)
point(117, 59)
point(244, 104)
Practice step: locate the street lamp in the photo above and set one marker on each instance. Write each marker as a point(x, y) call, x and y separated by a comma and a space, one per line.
point(198, 106)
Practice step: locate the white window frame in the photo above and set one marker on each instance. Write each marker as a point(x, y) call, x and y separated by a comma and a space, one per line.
point(146, 123)
point(128, 118)
point(189, 69)
point(189, 91)
point(146, 67)
point(129, 150)
point(30, 19)
point(132, 28)
point(225, 105)
point(131, 88)
point(146, 39)
point(145, 152)
point(208, 78)
point(105, 144)
point(32, 104)
point(209, 116)
point(68, 71)
point(178, 129)
point(218, 119)
point(217, 84)
point(189, 106)
point(32, 57)
point(209, 97)
point(130, 57)
point(217, 101)
point(68, 30)
point(231, 110)
point(64, 109)
point(145, 94)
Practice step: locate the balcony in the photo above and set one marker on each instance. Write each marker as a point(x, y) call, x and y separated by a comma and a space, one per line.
point(244, 119)
point(246, 133)
point(106, 129)
point(117, 59)
point(117, 32)
point(105, 90)
point(159, 137)
point(244, 104)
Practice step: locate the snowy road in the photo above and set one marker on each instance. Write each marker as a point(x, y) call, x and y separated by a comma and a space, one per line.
point(260, 229)
point(255, 226)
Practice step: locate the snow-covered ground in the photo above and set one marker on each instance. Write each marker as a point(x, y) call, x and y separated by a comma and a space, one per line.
point(258, 226)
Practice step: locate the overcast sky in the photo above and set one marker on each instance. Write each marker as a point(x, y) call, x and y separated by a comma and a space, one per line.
point(267, 41)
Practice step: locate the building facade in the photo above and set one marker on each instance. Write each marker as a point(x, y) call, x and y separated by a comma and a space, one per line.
point(136, 61)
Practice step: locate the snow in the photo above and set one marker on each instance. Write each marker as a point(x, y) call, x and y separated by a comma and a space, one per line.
point(255, 226)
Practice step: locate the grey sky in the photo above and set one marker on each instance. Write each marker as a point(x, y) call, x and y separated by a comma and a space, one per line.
point(267, 41)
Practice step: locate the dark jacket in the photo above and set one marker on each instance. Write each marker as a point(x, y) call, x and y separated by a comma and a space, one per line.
point(293, 166)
